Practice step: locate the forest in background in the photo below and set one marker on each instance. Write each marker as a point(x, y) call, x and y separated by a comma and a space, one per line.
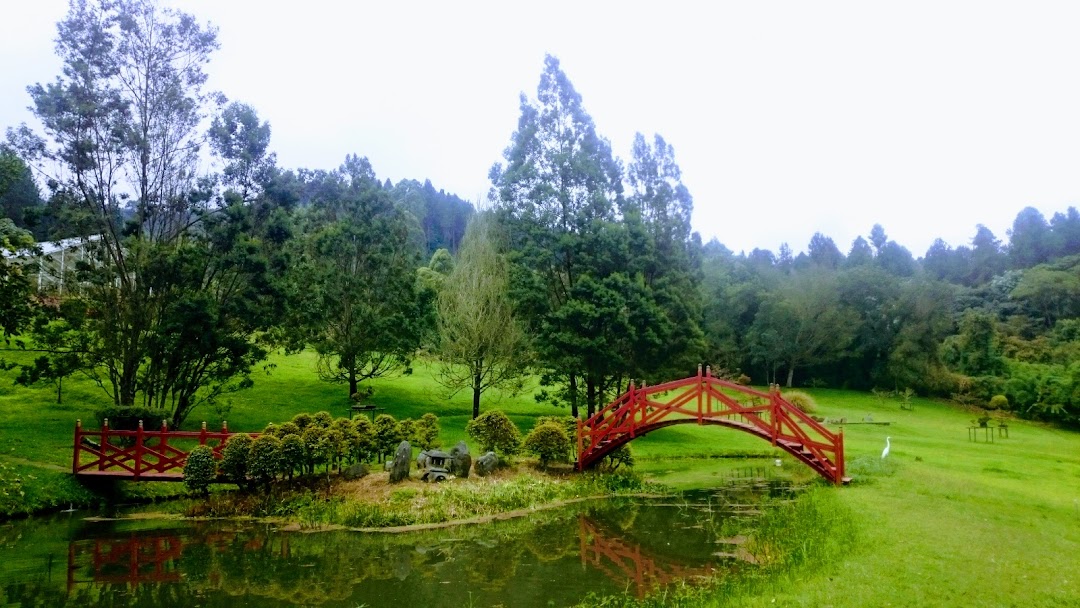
point(584, 268)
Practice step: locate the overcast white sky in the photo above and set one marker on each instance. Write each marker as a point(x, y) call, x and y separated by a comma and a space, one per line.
point(787, 118)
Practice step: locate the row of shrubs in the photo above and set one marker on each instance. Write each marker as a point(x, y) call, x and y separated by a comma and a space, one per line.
point(552, 439)
point(303, 444)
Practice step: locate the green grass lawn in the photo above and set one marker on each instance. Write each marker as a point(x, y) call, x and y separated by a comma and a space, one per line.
point(943, 521)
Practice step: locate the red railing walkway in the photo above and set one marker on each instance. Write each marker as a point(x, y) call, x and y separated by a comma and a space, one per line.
point(703, 399)
point(141, 455)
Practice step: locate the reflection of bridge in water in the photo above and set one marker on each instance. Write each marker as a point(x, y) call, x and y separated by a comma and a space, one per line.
point(624, 561)
point(149, 558)
point(162, 557)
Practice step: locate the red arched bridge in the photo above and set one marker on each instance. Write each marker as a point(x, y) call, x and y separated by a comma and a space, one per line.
point(703, 399)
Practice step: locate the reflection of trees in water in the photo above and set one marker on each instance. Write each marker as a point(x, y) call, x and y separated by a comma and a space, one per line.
point(216, 564)
point(549, 541)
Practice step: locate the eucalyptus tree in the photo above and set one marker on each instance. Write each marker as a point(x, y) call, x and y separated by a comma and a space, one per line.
point(172, 280)
point(482, 343)
point(557, 196)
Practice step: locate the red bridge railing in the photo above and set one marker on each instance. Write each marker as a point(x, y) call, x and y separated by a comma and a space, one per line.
point(703, 399)
point(141, 455)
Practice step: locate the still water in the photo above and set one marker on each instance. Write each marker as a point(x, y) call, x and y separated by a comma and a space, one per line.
point(550, 558)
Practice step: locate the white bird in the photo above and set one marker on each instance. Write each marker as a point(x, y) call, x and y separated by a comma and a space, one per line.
point(885, 452)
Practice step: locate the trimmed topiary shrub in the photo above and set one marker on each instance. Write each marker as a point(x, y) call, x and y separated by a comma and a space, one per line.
point(200, 469)
point(317, 448)
point(621, 456)
point(302, 421)
point(805, 403)
point(386, 434)
point(364, 444)
point(495, 432)
point(324, 419)
point(234, 459)
point(998, 402)
point(288, 428)
point(264, 459)
point(427, 432)
point(548, 442)
point(292, 454)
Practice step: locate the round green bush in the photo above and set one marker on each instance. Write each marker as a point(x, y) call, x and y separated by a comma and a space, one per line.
point(302, 421)
point(387, 434)
point(292, 454)
point(548, 442)
point(200, 469)
point(364, 443)
point(264, 459)
point(234, 458)
point(495, 432)
point(324, 419)
point(316, 447)
point(803, 402)
point(427, 432)
point(998, 402)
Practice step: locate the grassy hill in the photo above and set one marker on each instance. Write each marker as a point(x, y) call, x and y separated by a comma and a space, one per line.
point(944, 521)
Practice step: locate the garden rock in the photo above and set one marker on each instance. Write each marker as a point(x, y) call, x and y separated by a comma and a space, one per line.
point(402, 460)
point(422, 460)
point(356, 471)
point(460, 460)
point(486, 464)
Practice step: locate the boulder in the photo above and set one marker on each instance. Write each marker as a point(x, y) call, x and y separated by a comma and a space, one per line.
point(399, 470)
point(460, 460)
point(422, 460)
point(486, 464)
point(356, 471)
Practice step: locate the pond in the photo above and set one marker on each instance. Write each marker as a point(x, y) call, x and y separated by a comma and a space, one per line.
point(549, 558)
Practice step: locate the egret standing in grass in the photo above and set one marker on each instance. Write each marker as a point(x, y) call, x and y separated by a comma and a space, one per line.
point(885, 452)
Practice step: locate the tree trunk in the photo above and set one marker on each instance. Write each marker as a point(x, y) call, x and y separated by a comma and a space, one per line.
point(790, 374)
point(590, 395)
point(573, 396)
point(60, 390)
point(352, 384)
point(475, 396)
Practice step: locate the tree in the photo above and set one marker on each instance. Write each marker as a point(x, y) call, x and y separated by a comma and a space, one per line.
point(175, 281)
point(824, 252)
point(556, 195)
point(352, 286)
point(237, 136)
point(1052, 293)
point(803, 323)
point(860, 253)
point(1030, 239)
point(19, 195)
point(987, 257)
point(15, 246)
point(548, 442)
point(482, 344)
point(495, 432)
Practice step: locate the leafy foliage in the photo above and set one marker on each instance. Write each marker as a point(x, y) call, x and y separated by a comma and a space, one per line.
point(235, 457)
point(265, 459)
point(200, 469)
point(548, 442)
point(494, 431)
point(482, 343)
